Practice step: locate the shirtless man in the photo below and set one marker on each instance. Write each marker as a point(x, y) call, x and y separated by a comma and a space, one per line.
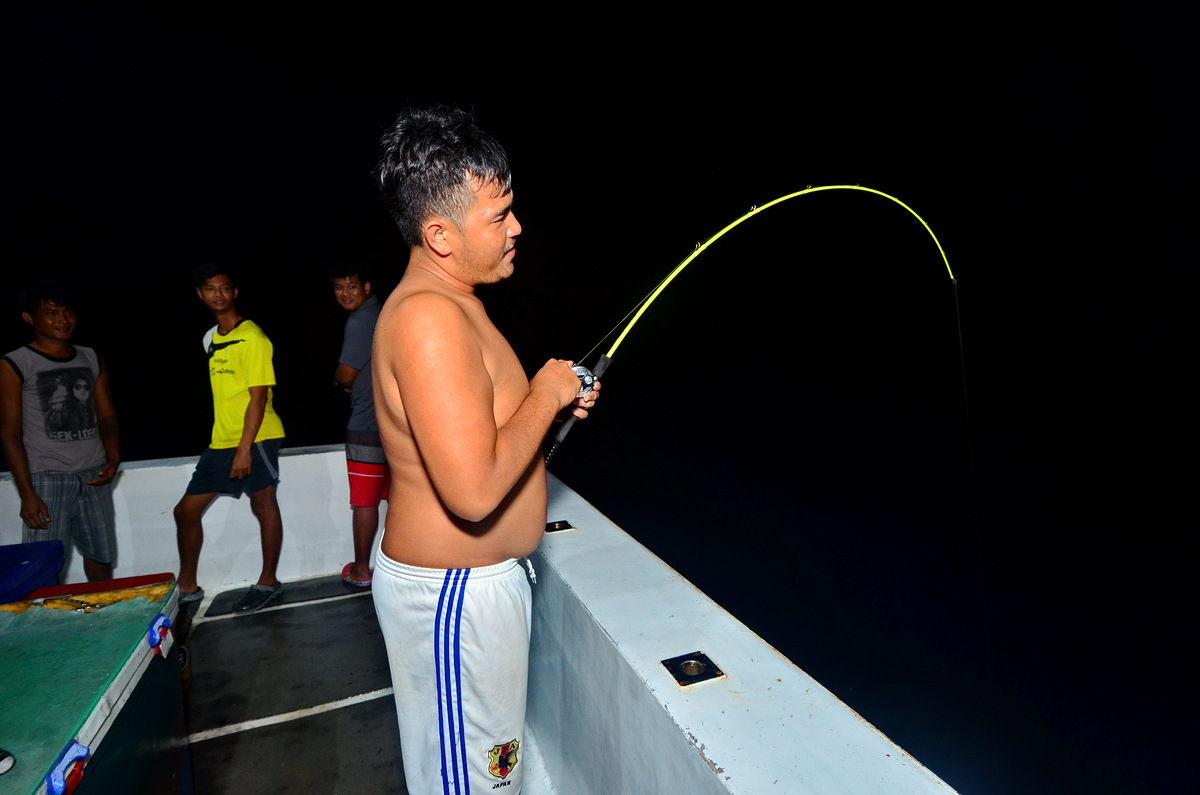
point(462, 427)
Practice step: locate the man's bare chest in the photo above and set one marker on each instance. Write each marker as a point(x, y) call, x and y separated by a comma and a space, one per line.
point(509, 384)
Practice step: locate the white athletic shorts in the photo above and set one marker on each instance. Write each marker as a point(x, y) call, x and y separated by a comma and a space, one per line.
point(458, 646)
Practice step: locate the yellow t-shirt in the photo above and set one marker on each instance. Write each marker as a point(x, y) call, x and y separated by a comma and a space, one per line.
point(237, 361)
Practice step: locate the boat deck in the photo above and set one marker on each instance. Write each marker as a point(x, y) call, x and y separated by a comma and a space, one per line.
point(296, 693)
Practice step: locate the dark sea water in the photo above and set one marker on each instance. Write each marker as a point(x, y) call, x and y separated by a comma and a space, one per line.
point(960, 507)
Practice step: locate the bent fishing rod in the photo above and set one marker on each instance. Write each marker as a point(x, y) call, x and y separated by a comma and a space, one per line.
point(588, 377)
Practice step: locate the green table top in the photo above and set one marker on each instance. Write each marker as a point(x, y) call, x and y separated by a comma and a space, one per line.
point(55, 666)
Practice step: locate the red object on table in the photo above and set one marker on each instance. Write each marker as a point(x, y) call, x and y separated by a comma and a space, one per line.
point(80, 588)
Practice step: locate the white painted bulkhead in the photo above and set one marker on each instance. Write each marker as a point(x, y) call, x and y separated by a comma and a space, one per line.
point(605, 714)
point(314, 498)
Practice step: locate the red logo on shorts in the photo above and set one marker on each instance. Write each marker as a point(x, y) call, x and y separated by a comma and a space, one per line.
point(504, 758)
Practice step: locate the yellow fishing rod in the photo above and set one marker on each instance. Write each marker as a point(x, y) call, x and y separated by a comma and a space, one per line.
point(586, 377)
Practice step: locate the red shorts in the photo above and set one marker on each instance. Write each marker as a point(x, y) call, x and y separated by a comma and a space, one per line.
point(366, 463)
point(369, 483)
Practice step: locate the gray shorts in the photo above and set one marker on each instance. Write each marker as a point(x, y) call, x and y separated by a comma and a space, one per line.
point(78, 512)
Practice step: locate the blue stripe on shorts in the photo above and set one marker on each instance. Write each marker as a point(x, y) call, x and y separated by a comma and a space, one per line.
point(448, 666)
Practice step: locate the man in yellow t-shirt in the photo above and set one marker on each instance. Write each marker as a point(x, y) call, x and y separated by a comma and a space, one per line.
point(246, 437)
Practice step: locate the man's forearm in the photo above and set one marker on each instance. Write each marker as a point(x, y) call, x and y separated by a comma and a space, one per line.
point(110, 437)
point(517, 445)
point(12, 424)
point(256, 410)
point(522, 436)
point(344, 376)
point(18, 465)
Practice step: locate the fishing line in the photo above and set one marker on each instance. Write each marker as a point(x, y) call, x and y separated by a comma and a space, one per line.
point(962, 361)
point(641, 307)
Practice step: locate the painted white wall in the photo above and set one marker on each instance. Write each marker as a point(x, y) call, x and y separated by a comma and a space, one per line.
point(610, 718)
point(314, 498)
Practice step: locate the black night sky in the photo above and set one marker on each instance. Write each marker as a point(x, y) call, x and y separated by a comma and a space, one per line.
point(787, 426)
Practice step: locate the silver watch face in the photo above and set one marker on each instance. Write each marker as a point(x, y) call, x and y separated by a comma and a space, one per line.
point(586, 379)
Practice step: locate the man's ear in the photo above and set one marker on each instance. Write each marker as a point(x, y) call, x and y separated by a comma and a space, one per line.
point(366, 288)
point(28, 318)
point(437, 236)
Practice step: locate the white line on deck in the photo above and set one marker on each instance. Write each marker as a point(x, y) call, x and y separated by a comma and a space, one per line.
point(272, 720)
point(199, 619)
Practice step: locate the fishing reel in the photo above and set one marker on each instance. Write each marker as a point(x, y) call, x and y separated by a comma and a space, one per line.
point(586, 379)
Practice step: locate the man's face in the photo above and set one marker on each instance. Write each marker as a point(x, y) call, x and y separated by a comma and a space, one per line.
point(217, 293)
point(350, 292)
point(81, 389)
point(489, 235)
point(52, 321)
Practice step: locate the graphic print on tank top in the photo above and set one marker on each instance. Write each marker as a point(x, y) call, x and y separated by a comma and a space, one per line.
point(67, 403)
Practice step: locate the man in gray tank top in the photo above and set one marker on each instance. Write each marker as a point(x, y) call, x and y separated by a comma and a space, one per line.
point(59, 434)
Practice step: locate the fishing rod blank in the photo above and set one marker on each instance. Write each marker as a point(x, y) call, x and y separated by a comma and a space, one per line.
point(606, 358)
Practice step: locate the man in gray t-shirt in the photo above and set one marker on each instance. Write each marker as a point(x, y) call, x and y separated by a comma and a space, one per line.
point(365, 460)
point(59, 433)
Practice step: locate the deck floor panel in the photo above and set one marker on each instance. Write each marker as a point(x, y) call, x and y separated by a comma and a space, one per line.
point(262, 664)
point(264, 703)
point(292, 593)
point(352, 749)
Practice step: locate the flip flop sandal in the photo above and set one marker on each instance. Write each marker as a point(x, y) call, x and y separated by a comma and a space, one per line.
point(350, 579)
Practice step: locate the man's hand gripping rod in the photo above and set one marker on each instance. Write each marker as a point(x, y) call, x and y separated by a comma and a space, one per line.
point(586, 379)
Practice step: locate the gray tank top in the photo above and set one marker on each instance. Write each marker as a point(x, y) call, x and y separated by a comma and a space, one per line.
point(58, 411)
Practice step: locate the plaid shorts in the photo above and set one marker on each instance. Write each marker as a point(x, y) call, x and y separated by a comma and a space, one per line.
point(78, 512)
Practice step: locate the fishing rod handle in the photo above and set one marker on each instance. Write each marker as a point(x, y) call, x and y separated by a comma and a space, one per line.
point(565, 426)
